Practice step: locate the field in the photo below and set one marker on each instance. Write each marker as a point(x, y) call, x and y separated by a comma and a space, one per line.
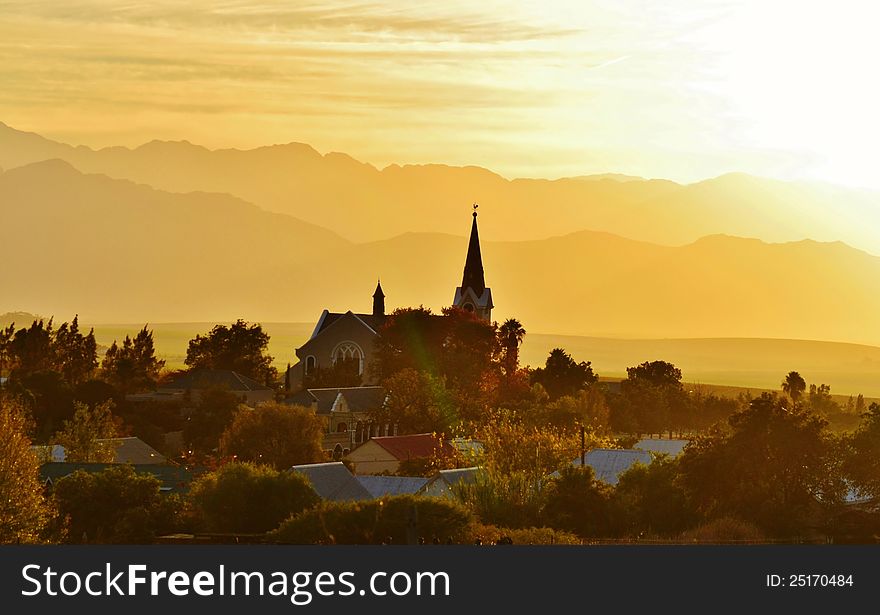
point(737, 363)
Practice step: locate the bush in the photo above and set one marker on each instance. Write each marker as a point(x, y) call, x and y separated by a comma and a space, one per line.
point(491, 534)
point(114, 506)
point(724, 529)
point(377, 521)
point(247, 498)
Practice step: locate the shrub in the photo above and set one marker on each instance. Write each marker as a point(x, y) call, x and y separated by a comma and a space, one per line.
point(724, 529)
point(395, 519)
point(247, 498)
point(491, 534)
point(113, 506)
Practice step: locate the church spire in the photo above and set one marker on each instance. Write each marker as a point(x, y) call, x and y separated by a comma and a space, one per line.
point(472, 295)
point(379, 300)
point(473, 277)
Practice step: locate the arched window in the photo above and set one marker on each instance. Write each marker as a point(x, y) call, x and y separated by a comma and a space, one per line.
point(341, 427)
point(310, 364)
point(469, 307)
point(349, 352)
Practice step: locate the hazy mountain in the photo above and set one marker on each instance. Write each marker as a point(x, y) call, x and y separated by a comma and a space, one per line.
point(115, 251)
point(363, 203)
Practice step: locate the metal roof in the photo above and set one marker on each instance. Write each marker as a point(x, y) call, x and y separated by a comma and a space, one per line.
point(608, 464)
point(332, 481)
point(380, 486)
point(673, 448)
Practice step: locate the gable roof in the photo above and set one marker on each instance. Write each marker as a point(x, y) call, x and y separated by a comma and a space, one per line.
point(359, 399)
point(127, 450)
point(135, 451)
point(380, 486)
point(214, 378)
point(444, 480)
point(332, 481)
point(608, 464)
point(412, 446)
point(174, 479)
point(371, 321)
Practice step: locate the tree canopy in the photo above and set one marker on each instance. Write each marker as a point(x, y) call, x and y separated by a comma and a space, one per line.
point(240, 347)
point(562, 375)
point(274, 434)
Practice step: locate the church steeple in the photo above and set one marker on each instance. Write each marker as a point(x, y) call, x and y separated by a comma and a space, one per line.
point(378, 300)
point(473, 295)
point(473, 266)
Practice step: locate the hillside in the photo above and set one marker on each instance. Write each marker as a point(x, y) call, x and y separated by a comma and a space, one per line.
point(115, 251)
point(364, 203)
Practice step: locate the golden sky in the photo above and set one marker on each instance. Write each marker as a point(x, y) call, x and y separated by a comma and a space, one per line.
point(682, 89)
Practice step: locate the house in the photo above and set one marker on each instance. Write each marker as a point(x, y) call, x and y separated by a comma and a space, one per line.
point(659, 446)
point(195, 381)
point(332, 481)
point(609, 464)
point(173, 479)
point(350, 337)
point(385, 453)
point(380, 486)
point(444, 481)
point(346, 413)
point(127, 450)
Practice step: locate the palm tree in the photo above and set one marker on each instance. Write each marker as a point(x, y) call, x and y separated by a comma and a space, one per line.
point(794, 386)
point(511, 335)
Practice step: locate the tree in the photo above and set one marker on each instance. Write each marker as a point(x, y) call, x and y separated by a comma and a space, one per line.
point(561, 375)
point(30, 350)
point(133, 367)
point(417, 402)
point(401, 519)
point(774, 466)
point(821, 402)
point(862, 454)
point(75, 354)
point(510, 336)
point(651, 501)
point(577, 502)
point(6, 334)
point(794, 386)
point(654, 392)
point(209, 419)
point(586, 407)
point(247, 498)
point(342, 373)
point(114, 506)
point(24, 512)
point(85, 436)
point(274, 434)
point(240, 347)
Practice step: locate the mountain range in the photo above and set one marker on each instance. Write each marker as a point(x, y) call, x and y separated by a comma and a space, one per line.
point(117, 251)
point(363, 203)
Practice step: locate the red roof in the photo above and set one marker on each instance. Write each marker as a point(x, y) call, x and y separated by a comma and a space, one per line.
point(412, 446)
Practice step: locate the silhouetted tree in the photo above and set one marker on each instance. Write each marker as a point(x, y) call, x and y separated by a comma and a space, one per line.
point(510, 336)
point(774, 466)
point(133, 367)
point(561, 375)
point(794, 386)
point(208, 419)
point(577, 502)
point(75, 354)
point(241, 347)
point(862, 456)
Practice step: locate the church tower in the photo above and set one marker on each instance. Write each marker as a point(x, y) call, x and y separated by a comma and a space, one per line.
point(378, 301)
point(473, 295)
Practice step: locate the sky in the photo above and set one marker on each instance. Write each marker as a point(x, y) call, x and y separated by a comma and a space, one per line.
point(680, 89)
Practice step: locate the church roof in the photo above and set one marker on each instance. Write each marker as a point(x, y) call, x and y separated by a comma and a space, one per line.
point(473, 267)
point(211, 378)
point(379, 292)
point(373, 322)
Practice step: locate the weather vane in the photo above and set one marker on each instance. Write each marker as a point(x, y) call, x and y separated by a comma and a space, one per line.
point(475, 210)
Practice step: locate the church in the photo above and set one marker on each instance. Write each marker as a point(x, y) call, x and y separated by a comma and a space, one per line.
point(350, 336)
